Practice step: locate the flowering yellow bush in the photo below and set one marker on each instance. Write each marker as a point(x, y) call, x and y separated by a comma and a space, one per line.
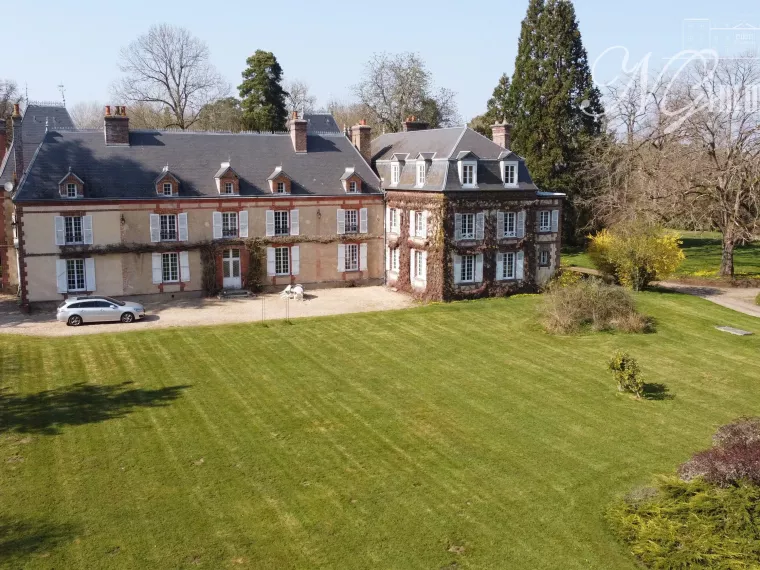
point(636, 254)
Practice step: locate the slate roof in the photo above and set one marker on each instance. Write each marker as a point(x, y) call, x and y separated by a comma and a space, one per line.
point(321, 123)
point(129, 172)
point(32, 133)
point(449, 145)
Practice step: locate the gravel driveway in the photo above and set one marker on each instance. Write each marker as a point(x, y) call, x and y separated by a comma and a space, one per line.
point(736, 298)
point(192, 312)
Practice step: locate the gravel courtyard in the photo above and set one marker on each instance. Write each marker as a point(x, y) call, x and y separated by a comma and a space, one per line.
point(193, 312)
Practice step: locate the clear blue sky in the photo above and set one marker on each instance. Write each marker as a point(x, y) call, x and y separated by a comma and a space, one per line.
point(466, 45)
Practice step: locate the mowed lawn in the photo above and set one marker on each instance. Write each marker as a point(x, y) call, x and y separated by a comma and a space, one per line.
point(703, 255)
point(449, 436)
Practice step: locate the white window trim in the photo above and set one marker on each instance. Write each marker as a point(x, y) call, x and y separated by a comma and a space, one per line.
point(473, 235)
point(394, 226)
point(348, 247)
point(282, 274)
point(277, 187)
point(69, 186)
point(395, 255)
point(474, 164)
point(547, 228)
point(84, 275)
point(287, 225)
point(226, 215)
point(176, 227)
point(353, 187)
point(164, 187)
point(163, 280)
point(474, 263)
point(505, 233)
point(504, 165)
point(502, 263)
point(230, 185)
point(395, 173)
point(421, 173)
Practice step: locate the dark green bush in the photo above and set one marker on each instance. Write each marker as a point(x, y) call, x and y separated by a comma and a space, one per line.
point(684, 525)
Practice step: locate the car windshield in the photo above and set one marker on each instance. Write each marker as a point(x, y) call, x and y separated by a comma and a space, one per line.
point(114, 301)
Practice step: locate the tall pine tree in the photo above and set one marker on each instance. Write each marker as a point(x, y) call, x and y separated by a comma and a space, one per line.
point(496, 108)
point(553, 104)
point(261, 93)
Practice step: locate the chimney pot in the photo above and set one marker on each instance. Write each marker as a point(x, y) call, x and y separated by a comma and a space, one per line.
point(298, 133)
point(361, 138)
point(501, 134)
point(412, 124)
point(116, 126)
point(16, 110)
point(108, 110)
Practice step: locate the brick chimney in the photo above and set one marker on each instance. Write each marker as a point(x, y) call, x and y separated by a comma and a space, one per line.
point(116, 126)
point(3, 140)
point(18, 142)
point(361, 138)
point(501, 134)
point(298, 132)
point(412, 124)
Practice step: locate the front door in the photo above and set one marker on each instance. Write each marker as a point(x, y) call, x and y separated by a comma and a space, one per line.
point(231, 269)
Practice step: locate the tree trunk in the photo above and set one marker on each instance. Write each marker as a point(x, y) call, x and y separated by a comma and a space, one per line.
point(727, 257)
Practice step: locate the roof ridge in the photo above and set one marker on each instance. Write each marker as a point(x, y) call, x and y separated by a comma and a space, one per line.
point(456, 144)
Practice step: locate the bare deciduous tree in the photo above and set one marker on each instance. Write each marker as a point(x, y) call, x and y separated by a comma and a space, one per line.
point(9, 95)
point(397, 86)
point(298, 98)
point(87, 115)
point(170, 68)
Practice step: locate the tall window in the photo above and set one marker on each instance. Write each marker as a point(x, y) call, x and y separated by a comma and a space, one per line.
point(229, 224)
point(72, 227)
point(419, 270)
point(170, 267)
point(468, 226)
point(467, 271)
point(352, 221)
point(75, 274)
point(281, 188)
point(419, 225)
point(468, 174)
point(281, 223)
point(352, 257)
point(421, 173)
point(229, 188)
point(543, 258)
point(168, 227)
point(71, 190)
point(508, 266)
point(544, 221)
point(395, 173)
point(167, 188)
point(352, 187)
point(282, 260)
point(510, 224)
point(510, 174)
point(395, 259)
point(393, 217)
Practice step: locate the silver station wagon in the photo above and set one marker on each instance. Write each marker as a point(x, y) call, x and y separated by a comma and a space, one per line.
point(78, 310)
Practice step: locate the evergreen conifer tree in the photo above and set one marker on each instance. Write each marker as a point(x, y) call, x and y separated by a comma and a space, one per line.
point(261, 93)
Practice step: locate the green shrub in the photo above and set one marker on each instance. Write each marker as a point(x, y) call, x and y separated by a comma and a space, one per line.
point(757, 299)
point(627, 374)
point(683, 525)
point(634, 255)
point(567, 308)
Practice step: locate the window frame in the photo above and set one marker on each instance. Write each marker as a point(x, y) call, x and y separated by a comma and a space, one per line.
point(510, 216)
point(226, 216)
point(229, 187)
point(170, 187)
point(279, 252)
point(418, 275)
point(544, 252)
point(69, 187)
point(505, 275)
point(467, 261)
point(395, 221)
point(421, 173)
point(509, 165)
point(545, 228)
point(351, 247)
point(395, 264)
point(66, 240)
point(395, 173)
point(170, 255)
point(79, 265)
point(463, 166)
point(161, 230)
point(353, 187)
point(278, 215)
point(468, 236)
point(351, 229)
point(419, 225)
point(279, 188)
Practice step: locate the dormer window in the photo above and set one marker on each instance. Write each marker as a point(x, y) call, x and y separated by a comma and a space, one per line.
point(167, 190)
point(229, 188)
point(279, 182)
point(395, 173)
point(281, 188)
point(421, 172)
point(71, 190)
point(227, 180)
point(351, 181)
point(509, 173)
point(70, 186)
point(352, 187)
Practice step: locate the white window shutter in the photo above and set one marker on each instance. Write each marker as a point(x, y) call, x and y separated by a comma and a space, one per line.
point(457, 227)
point(216, 218)
point(424, 266)
point(184, 266)
point(363, 221)
point(412, 225)
point(182, 226)
point(387, 219)
point(295, 260)
point(499, 266)
point(341, 258)
point(243, 223)
point(341, 222)
point(412, 275)
point(155, 228)
point(457, 268)
point(271, 267)
point(270, 224)
point(158, 275)
point(480, 225)
point(387, 259)
point(521, 224)
point(89, 274)
point(295, 225)
point(87, 229)
point(61, 276)
point(499, 225)
point(425, 215)
point(60, 235)
point(519, 265)
point(363, 257)
point(479, 268)
point(555, 221)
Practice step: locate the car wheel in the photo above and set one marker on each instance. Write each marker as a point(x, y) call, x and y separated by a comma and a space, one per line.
point(74, 321)
point(127, 318)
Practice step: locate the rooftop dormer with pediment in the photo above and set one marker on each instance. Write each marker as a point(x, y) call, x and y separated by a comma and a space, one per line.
point(280, 182)
point(71, 186)
point(167, 183)
point(227, 180)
